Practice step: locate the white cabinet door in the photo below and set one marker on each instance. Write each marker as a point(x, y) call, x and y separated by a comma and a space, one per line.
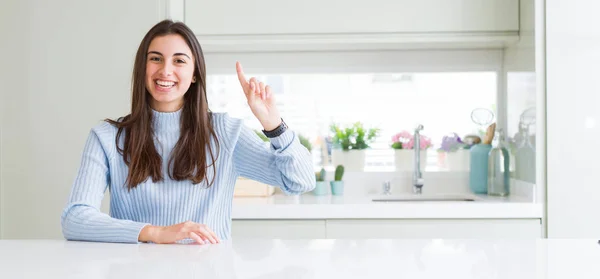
point(271, 17)
point(438, 228)
point(281, 229)
point(570, 45)
point(275, 25)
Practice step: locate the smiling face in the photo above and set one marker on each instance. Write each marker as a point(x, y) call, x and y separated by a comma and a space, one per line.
point(169, 72)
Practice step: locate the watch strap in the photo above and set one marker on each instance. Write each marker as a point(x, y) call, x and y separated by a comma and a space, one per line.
point(277, 131)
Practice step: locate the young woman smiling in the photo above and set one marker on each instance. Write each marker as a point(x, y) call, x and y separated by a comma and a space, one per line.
point(171, 164)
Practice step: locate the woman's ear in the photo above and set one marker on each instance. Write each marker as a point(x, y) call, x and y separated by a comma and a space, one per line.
point(193, 79)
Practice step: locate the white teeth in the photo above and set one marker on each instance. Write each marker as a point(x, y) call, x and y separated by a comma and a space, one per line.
point(165, 83)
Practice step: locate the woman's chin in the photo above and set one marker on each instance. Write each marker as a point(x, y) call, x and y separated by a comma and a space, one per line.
point(162, 100)
point(165, 96)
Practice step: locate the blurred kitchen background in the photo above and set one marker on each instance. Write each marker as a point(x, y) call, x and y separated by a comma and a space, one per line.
point(453, 66)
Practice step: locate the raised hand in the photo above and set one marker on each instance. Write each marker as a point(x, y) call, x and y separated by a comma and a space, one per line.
point(260, 99)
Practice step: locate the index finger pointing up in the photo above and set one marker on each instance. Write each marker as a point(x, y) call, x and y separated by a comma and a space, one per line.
point(241, 76)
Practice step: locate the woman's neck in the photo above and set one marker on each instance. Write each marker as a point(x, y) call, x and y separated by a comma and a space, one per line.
point(166, 121)
point(166, 107)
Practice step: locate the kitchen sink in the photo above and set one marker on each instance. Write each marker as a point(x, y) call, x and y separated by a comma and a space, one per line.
point(426, 198)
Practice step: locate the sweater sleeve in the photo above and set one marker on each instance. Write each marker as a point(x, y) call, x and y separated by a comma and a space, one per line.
point(81, 218)
point(285, 162)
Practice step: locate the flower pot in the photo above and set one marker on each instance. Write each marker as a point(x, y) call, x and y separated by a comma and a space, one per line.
point(321, 188)
point(337, 188)
point(352, 160)
point(458, 160)
point(441, 159)
point(404, 159)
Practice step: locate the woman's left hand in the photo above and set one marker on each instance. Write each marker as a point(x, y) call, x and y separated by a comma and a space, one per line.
point(260, 99)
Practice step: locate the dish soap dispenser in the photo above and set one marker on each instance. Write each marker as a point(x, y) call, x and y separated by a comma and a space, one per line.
point(499, 167)
point(478, 170)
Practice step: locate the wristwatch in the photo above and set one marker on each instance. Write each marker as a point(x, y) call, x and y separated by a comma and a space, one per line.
point(277, 131)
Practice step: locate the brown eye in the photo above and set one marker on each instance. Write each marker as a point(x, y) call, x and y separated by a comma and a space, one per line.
point(154, 58)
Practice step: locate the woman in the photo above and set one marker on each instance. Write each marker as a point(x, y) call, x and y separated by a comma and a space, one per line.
point(171, 165)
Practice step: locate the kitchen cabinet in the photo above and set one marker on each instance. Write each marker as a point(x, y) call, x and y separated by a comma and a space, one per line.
point(241, 25)
point(568, 86)
point(285, 229)
point(442, 228)
point(388, 228)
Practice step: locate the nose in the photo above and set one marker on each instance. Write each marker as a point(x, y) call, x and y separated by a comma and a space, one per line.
point(166, 69)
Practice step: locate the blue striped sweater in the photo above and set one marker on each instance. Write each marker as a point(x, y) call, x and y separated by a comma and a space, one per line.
point(284, 163)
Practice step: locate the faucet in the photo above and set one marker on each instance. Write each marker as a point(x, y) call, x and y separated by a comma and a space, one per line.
point(387, 188)
point(417, 178)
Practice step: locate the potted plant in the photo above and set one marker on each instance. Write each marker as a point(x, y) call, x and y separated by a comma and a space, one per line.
point(321, 186)
point(349, 144)
point(403, 145)
point(337, 186)
point(456, 153)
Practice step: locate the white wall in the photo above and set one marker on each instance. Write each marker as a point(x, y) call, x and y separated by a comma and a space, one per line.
point(4, 48)
point(13, 65)
point(573, 98)
point(69, 67)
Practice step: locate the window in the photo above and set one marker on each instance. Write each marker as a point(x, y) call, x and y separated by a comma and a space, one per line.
point(439, 92)
point(442, 102)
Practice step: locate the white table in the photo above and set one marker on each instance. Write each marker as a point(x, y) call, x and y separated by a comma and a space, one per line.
point(246, 258)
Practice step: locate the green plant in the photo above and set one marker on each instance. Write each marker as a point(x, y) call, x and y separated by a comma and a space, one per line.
point(261, 135)
point(353, 137)
point(339, 173)
point(397, 145)
point(304, 141)
point(320, 175)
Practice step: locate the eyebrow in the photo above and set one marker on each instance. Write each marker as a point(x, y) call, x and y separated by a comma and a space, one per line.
point(176, 54)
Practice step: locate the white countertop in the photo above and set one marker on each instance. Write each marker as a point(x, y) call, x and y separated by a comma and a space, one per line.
point(265, 259)
point(308, 206)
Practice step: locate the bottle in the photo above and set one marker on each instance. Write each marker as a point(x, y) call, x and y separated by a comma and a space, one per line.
point(525, 159)
point(478, 169)
point(499, 167)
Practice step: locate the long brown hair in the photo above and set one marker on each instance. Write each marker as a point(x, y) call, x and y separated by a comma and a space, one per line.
point(188, 160)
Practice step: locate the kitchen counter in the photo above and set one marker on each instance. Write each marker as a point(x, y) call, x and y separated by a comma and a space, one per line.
point(308, 206)
point(331, 258)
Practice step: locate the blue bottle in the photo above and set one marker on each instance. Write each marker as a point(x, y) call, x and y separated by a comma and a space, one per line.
point(478, 176)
